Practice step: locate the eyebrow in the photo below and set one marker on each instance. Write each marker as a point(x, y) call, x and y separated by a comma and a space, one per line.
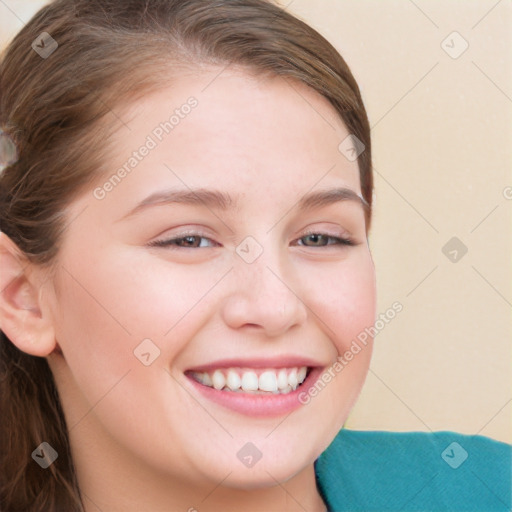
point(217, 200)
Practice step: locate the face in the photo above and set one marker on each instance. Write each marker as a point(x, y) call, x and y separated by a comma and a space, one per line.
point(205, 261)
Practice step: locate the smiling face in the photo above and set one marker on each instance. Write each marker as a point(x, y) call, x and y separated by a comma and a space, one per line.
point(222, 246)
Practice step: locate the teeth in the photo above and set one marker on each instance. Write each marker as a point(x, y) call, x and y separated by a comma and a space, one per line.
point(250, 381)
point(233, 380)
point(218, 379)
point(207, 380)
point(292, 378)
point(283, 380)
point(268, 381)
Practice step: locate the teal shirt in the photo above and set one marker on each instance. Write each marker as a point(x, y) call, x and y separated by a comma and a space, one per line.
point(413, 472)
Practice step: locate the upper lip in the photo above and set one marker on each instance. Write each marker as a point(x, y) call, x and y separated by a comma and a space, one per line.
point(260, 362)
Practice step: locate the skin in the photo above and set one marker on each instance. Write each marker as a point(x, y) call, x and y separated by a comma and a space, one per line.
point(142, 438)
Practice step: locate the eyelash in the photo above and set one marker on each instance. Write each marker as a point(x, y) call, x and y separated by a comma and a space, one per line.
point(343, 241)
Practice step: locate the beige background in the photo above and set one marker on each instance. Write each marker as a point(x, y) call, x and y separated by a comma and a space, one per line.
point(442, 133)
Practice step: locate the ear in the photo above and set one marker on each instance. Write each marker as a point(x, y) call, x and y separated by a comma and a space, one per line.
point(23, 317)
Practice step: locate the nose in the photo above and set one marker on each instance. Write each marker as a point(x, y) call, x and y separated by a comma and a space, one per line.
point(264, 296)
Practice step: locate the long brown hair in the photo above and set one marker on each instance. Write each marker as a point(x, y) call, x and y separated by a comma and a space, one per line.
point(51, 105)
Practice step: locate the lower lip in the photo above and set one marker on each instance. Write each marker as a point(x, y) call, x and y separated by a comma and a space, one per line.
point(259, 405)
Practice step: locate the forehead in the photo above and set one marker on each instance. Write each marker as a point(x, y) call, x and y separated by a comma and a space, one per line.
point(227, 129)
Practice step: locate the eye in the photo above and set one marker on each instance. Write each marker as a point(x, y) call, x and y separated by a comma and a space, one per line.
point(192, 241)
point(324, 239)
point(198, 241)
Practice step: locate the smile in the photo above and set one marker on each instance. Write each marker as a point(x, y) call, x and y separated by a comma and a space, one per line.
point(254, 381)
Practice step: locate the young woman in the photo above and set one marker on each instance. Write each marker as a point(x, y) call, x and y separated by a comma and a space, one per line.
point(185, 272)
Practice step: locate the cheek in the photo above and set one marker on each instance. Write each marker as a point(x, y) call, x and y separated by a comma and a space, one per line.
point(344, 298)
point(106, 310)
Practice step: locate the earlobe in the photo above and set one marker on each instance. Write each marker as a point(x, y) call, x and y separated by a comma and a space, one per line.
point(23, 318)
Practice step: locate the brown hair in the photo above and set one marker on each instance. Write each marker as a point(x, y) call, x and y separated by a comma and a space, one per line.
point(51, 106)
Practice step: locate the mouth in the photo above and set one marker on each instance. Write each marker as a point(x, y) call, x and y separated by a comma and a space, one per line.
point(256, 381)
point(256, 388)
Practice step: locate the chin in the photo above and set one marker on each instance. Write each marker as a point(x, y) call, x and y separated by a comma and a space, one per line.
point(279, 462)
point(264, 477)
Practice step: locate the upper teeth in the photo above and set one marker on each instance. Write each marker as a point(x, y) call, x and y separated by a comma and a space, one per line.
point(283, 380)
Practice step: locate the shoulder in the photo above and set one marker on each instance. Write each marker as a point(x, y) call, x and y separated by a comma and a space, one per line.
point(415, 471)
